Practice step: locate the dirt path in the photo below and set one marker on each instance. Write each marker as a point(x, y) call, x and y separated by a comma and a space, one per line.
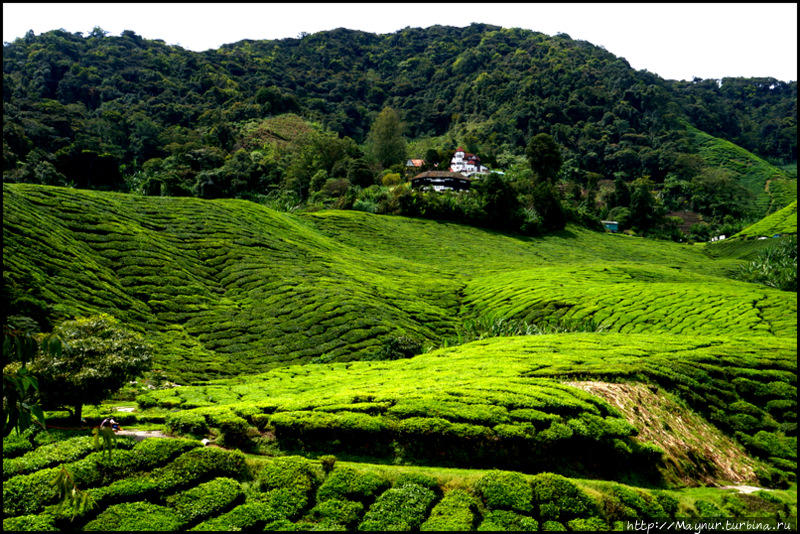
point(139, 435)
point(745, 489)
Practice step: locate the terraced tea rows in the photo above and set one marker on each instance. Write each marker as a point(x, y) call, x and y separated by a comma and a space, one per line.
point(500, 402)
point(226, 287)
point(169, 484)
point(783, 221)
point(632, 298)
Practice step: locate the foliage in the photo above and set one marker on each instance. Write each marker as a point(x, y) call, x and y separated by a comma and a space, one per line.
point(399, 508)
point(135, 516)
point(21, 408)
point(268, 118)
point(100, 356)
point(72, 498)
point(385, 139)
point(456, 511)
point(506, 520)
point(505, 491)
point(206, 499)
point(775, 266)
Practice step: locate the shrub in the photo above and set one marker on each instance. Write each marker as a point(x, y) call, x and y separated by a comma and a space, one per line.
point(402, 508)
point(15, 445)
point(346, 483)
point(154, 452)
point(505, 490)
point(285, 502)
point(187, 422)
point(48, 455)
point(29, 523)
point(207, 499)
point(399, 347)
point(560, 499)
point(288, 472)
point(135, 516)
point(337, 512)
point(426, 481)
point(505, 520)
point(590, 524)
point(248, 516)
point(234, 429)
point(198, 465)
point(553, 526)
point(456, 511)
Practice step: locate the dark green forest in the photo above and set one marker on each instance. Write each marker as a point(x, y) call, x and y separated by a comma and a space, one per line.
point(292, 122)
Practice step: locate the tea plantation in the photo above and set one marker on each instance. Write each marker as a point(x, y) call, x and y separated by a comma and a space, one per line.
point(176, 484)
point(364, 372)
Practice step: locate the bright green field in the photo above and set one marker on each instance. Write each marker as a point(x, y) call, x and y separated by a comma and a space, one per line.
point(238, 299)
point(226, 287)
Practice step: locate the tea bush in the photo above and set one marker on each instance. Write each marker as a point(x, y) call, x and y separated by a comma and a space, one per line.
point(135, 516)
point(506, 520)
point(185, 422)
point(559, 499)
point(456, 511)
point(505, 491)
point(345, 483)
point(399, 508)
point(336, 512)
point(206, 499)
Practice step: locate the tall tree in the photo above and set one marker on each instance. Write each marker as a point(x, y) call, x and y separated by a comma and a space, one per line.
point(544, 155)
point(385, 140)
point(98, 357)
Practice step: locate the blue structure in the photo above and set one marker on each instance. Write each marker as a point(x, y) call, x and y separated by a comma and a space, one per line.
point(611, 226)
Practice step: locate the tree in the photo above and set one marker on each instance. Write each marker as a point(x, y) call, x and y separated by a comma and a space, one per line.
point(622, 193)
point(643, 205)
point(544, 156)
point(385, 139)
point(21, 408)
point(99, 357)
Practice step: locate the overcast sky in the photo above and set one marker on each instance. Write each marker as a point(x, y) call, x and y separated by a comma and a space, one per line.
point(675, 41)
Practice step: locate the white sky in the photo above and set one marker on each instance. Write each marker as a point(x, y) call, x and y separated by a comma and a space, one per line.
point(675, 41)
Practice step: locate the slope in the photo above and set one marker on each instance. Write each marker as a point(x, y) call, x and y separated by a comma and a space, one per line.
point(783, 221)
point(225, 287)
point(771, 187)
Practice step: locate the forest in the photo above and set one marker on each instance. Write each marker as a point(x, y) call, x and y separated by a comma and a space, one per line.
point(328, 120)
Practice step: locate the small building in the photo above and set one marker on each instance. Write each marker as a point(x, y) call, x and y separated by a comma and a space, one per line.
point(441, 181)
point(611, 226)
point(466, 163)
point(415, 163)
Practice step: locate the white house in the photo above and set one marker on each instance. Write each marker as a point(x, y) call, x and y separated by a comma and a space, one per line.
point(466, 163)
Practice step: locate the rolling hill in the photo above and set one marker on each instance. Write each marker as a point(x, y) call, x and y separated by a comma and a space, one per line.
point(646, 372)
point(224, 287)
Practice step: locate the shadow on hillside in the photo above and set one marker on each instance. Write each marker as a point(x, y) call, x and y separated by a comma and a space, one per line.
point(624, 462)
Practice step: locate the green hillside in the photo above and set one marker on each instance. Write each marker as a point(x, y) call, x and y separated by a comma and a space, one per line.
point(501, 402)
point(652, 375)
point(783, 221)
point(225, 287)
point(771, 187)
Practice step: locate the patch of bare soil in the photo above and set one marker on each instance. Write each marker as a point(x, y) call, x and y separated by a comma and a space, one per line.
point(696, 452)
